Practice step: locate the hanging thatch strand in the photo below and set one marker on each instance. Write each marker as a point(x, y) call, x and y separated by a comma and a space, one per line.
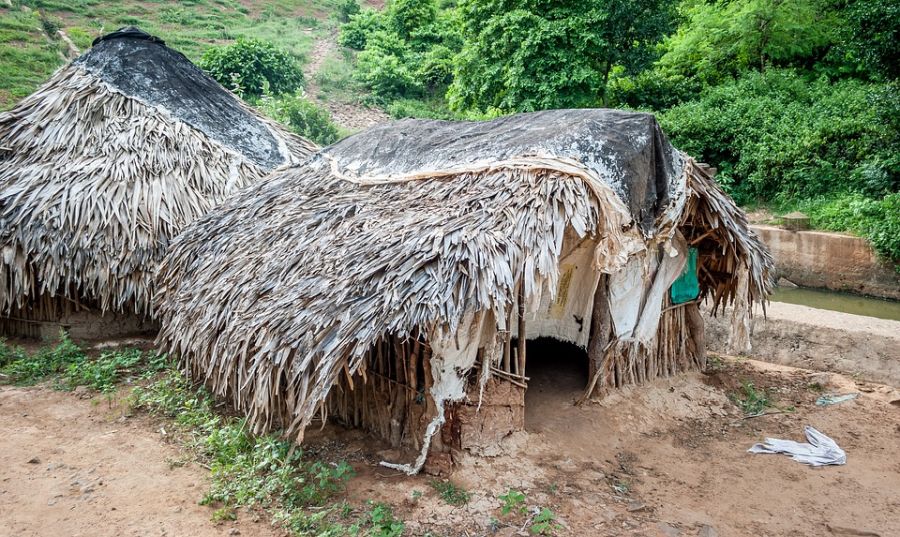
point(108, 161)
point(433, 233)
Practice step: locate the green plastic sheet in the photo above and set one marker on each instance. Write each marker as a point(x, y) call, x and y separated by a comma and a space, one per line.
point(687, 286)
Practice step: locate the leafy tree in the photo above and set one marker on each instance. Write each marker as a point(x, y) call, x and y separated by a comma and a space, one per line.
point(384, 68)
point(723, 38)
point(523, 55)
point(780, 136)
point(872, 35)
point(249, 65)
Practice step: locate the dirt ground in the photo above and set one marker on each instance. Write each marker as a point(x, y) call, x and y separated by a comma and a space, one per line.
point(664, 459)
point(75, 467)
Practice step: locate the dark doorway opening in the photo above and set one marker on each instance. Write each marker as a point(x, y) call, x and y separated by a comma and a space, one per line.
point(558, 373)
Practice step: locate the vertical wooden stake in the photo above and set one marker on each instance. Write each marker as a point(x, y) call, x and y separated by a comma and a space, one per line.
point(522, 336)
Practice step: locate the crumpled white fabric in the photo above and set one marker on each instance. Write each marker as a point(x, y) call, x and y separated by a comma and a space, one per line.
point(820, 451)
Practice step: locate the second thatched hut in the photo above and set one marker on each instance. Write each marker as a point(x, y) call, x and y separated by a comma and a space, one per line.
point(102, 166)
point(393, 280)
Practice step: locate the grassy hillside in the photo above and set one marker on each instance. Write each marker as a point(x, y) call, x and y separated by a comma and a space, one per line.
point(30, 49)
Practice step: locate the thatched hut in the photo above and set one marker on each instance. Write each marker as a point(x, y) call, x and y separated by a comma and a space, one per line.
point(102, 166)
point(393, 280)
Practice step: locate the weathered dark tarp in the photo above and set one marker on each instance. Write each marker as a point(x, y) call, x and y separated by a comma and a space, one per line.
point(628, 150)
point(141, 66)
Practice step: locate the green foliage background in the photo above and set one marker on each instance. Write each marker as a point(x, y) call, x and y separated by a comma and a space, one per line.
point(794, 101)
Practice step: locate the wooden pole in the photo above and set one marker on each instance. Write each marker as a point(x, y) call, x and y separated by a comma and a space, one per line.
point(599, 337)
point(522, 336)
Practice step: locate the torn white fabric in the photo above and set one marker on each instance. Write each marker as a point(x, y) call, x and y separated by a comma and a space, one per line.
point(565, 314)
point(626, 288)
point(670, 267)
point(739, 337)
point(637, 291)
point(820, 451)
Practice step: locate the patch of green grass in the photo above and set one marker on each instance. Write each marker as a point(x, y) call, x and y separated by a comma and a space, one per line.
point(24, 370)
point(335, 79)
point(72, 367)
point(28, 58)
point(247, 470)
point(752, 400)
point(450, 493)
point(110, 368)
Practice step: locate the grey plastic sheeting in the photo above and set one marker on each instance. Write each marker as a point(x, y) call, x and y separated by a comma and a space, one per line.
point(134, 64)
point(627, 150)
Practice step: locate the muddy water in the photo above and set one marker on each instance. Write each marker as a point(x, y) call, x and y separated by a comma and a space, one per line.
point(843, 302)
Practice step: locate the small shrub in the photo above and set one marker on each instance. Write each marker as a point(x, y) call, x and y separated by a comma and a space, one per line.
point(50, 25)
point(450, 493)
point(347, 9)
point(751, 400)
point(544, 523)
point(302, 117)
point(513, 502)
point(9, 354)
point(250, 66)
point(355, 34)
point(224, 514)
point(384, 524)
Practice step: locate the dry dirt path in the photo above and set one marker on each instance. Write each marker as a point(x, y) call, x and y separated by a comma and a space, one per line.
point(70, 467)
point(351, 116)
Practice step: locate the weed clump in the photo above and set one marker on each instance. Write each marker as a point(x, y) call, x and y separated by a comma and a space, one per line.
point(751, 400)
point(450, 493)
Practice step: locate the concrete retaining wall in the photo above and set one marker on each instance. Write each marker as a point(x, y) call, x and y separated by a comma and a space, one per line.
point(830, 260)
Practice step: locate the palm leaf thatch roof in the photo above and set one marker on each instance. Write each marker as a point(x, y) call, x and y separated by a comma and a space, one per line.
point(430, 230)
point(108, 160)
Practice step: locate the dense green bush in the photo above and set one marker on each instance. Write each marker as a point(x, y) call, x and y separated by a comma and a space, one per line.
point(249, 66)
point(526, 55)
point(347, 8)
point(406, 51)
point(384, 68)
point(356, 32)
point(871, 35)
point(720, 39)
point(302, 117)
point(779, 136)
point(407, 16)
